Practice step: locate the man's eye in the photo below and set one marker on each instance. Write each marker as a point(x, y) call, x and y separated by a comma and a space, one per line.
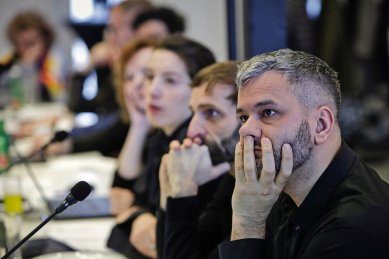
point(268, 113)
point(149, 77)
point(243, 118)
point(211, 114)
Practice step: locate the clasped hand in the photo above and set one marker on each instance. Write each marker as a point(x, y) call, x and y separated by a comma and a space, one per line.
point(185, 168)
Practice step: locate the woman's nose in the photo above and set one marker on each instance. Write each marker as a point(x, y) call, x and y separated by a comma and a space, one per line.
point(154, 88)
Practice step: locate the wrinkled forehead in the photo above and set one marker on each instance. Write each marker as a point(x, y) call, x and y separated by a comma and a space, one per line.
point(270, 87)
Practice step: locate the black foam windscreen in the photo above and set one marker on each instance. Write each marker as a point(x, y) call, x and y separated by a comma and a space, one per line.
point(81, 190)
point(60, 136)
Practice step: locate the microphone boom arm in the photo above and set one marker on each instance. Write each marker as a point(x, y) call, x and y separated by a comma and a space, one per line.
point(21, 242)
point(78, 193)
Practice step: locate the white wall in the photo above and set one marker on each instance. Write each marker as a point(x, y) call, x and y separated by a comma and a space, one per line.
point(205, 20)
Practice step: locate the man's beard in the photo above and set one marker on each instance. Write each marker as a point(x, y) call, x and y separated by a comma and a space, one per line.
point(301, 147)
point(225, 151)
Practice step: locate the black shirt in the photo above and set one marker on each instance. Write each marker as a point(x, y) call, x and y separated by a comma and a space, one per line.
point(192, 231)
point(147, 186)
point(345, 215)
point(107, 136)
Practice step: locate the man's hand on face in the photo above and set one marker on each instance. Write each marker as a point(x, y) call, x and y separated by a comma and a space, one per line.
point(189, 166)
point(256, 192)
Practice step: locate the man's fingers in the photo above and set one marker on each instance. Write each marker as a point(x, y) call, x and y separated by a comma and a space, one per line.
point(250, 170)
point(164, 163)
point(268, 167)
point(175, 144)
point(187, 143)
point(239, 173)
point(197, 140)
point(286, 166)
point(163, 171)
point(174, 152)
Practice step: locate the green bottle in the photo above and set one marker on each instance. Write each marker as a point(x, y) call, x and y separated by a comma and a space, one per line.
point(4, 147)
point(16, 87)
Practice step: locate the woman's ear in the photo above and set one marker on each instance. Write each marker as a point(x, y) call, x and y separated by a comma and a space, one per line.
point(324, 123)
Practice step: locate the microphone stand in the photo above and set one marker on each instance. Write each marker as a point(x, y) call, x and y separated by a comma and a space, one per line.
point(32, 176)
point(78, 193)
point(36, 229)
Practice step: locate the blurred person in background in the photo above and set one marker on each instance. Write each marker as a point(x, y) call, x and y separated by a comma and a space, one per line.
point(85, 139)
point(130, 91)
point(103, 59)
point(158, 22)
point(33, 61)
point(169, 73)
point(118, 32)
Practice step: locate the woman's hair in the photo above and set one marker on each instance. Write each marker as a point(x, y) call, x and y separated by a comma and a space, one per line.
point(30, 20)
point(195, 55)
point(128, 52)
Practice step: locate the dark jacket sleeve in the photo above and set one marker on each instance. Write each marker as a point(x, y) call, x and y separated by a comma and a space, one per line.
point(244, 248)
point(181, 224)
point(107, 136)
point(103, 102)
point(161, 222)
point(120, 182)
point(192, 231)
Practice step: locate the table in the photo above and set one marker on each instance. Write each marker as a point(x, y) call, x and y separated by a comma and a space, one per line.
point(56, 176)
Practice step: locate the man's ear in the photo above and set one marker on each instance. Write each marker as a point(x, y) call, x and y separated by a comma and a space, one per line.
point(324, 123)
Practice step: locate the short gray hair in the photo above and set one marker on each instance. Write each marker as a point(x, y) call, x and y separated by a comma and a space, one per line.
point(311, 79)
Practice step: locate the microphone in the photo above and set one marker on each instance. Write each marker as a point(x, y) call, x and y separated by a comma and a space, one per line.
point(59, 136)
point(78, 193)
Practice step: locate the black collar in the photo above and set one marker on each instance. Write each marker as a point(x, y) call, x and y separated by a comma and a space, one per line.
point(159, 138)
point(317, 199)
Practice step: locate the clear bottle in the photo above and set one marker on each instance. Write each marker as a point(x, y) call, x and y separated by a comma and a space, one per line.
point(12, 193)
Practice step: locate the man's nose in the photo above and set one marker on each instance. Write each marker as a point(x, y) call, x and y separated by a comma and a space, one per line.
point(196, 127)
point(250, 128)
